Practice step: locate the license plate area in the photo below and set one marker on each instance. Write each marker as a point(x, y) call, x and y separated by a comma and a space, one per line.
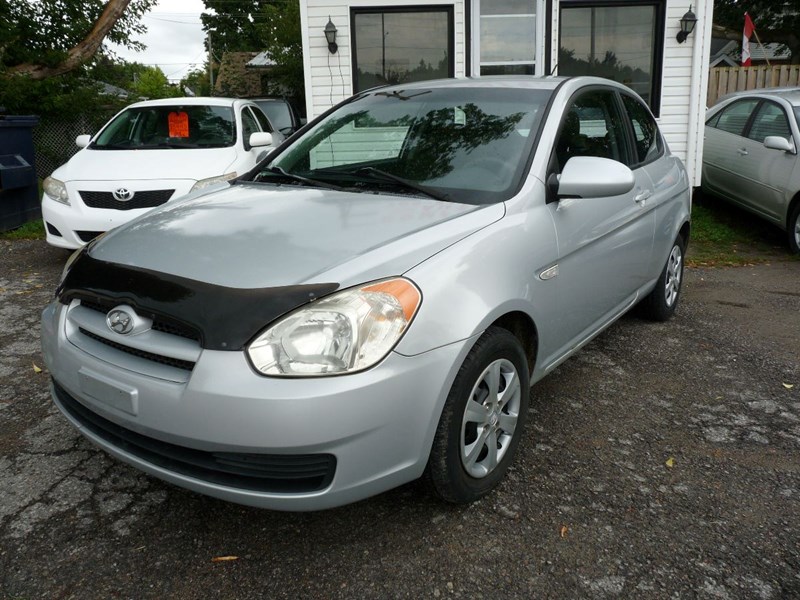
point(110, 393)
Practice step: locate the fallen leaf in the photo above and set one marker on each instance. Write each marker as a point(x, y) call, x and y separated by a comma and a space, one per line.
point(36, 369)
point(670, 462)
point(564, 531)
point(224, 558)
point(788, 386)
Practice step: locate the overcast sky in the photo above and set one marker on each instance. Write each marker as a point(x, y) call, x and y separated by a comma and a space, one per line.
point(174, 38)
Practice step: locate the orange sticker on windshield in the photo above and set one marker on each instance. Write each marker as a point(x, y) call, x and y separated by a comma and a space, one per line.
point(178, 125)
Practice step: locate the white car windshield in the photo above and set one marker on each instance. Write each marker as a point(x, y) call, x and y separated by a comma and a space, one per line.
point(174, 126)
point(460, 144)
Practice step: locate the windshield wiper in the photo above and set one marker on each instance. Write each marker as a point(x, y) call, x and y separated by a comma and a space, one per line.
point(111, 147)
point(301, 179)
point(411, 185)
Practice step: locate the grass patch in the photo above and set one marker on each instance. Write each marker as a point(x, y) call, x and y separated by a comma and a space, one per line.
point(723, 234)
point(33, 230)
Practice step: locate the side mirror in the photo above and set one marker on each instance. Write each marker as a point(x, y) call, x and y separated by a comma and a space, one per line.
point(776, 142)
point(594, 177)
point(260, 138)
point(82, 141)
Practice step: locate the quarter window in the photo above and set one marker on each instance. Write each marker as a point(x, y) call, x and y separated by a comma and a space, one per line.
point(645, 130)
point(769, 120)
point(734, 117)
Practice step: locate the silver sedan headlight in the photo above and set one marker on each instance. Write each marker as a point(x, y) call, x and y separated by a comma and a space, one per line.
point(345, 332)
point(55, 190)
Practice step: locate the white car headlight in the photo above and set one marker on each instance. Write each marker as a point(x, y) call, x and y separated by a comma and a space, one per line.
point(345, 332)
point(212, 180)
point(55, 190)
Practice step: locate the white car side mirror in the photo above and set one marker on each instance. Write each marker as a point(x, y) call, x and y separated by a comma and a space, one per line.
point(260, 138)
point(777, 142)
point(594, 177)
point(82, 141)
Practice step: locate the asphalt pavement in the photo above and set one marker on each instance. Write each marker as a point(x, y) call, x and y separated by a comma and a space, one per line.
point(660, 462)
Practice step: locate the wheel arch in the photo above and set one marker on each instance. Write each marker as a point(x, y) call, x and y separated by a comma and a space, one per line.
point(521, 326)
point(790, 209)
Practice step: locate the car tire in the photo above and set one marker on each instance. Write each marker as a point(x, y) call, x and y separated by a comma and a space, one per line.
point(486, 408)
point(793, 229)
point(661, 302)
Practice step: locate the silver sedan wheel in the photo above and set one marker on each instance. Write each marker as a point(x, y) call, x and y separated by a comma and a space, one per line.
point(490, 418)
point(797, 232)
point(674, 270)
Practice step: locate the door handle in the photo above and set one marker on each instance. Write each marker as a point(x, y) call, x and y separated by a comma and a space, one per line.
point(642, 196)
point(742, 152)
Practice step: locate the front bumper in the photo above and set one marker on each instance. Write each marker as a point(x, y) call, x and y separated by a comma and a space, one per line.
point(75, 224)
point(378, 425)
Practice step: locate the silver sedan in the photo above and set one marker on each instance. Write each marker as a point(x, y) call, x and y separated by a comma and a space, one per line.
point(750, 155)
point(372, 304)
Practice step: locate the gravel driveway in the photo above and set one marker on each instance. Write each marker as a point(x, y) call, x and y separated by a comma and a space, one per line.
point(661, 462)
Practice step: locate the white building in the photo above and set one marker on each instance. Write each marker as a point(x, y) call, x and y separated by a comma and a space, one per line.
point(634, 41)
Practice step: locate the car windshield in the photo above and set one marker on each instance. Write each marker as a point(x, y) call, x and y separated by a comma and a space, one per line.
point(461, 144)
point(173, 126)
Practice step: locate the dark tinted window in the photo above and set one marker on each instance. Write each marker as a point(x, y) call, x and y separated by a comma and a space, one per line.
point(645, 130)
point(769, 120)
point(278, 113)
point(394, 46)
point(249, 125)
point(592, 126)
point(263, 122)
point(734, 117)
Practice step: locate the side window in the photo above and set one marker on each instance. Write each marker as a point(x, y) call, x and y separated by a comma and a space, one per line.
point(769, 120)
point(734, 117)
point(592, 126)
point(263, 122)
point(645, 130)
point(249, 125)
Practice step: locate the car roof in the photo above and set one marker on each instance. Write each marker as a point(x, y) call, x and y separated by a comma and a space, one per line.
point(189, 101)
point(790, 94)
point(486, 81)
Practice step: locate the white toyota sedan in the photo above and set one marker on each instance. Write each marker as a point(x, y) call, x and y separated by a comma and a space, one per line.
point(149, 153)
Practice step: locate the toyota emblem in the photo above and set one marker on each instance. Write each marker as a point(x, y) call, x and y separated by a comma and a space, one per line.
point(119, 321)
point(122, 194)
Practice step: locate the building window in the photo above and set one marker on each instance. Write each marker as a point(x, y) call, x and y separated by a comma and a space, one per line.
point(394, 45)
point(619, 41)
point(507, 36)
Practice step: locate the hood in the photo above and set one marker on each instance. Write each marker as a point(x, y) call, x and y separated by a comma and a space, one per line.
point(167, 163)
point(263, 235)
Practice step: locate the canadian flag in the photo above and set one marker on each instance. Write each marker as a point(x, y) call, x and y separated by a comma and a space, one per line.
point(749, 29)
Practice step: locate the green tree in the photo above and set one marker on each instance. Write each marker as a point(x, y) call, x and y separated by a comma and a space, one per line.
point(231, 26)
point(151, 83)
point(197, 81)
point(48, 38)
point(774, 21)
point(280, 30)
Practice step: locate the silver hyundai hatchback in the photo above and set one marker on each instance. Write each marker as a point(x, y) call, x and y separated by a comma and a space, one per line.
point(372, 304)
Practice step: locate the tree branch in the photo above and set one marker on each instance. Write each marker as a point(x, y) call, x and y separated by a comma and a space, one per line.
point(82, 52)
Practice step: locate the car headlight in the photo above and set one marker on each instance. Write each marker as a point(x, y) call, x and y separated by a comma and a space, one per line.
point(56, 190)
point(212, 180)
point(345, 332)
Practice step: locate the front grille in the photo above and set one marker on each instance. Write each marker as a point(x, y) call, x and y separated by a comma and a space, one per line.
point(186, 365)
point(159, 324)
point(279, 473)
point(87, 236)
point(142, 199)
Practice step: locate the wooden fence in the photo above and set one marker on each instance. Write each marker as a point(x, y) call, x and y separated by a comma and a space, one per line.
point(724, 80)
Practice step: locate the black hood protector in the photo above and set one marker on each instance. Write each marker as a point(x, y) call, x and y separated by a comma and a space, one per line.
point(223, 318)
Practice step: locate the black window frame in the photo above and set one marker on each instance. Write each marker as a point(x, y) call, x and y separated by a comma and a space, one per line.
point(449, 9)
point(658, 40)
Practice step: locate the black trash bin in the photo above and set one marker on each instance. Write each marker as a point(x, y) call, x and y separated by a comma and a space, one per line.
point(19, 192)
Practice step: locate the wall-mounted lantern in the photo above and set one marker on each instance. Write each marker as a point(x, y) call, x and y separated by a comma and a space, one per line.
point(688, 21)
point(330, 35)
